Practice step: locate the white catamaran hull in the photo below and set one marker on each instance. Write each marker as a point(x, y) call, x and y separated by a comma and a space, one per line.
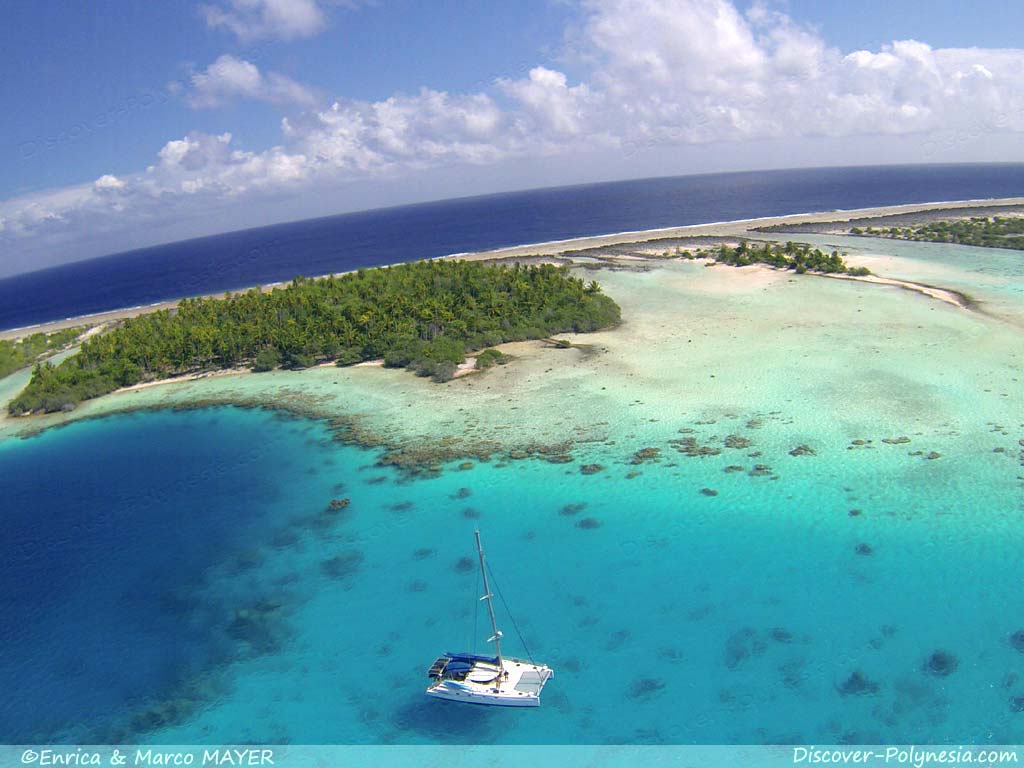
point(472, 697)
point(516, 684)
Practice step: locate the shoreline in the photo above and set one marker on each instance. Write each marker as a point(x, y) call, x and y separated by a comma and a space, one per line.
point(732, 227)
point(735, 227)
point(468, 367)
point(938, 293)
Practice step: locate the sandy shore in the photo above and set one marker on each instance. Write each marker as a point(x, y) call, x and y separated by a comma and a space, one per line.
point(931, 291)
point(739, 227)
point(184, 378)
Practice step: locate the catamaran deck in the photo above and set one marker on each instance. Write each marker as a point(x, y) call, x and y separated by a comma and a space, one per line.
point(512, 683)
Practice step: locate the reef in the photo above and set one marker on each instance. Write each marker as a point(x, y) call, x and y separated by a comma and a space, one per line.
point(412, 458)
point(645, 455)
point(260, 627)
point(591, 469)
point(1017, 640)
point(709, 491)
point(570, 665)
point(183, 702)
point(573, 509)
point(780, 635)
point(589, 523)
point(864, 550)
point(737, 441)
point(803, 450)
point(645, 686)
point(741, 645)
point(463, 565)
point(793, 673)
point(617, 639)
point(343, 565)
point(284, 539)
point(688, 446)
point(941, 664)
point(857, 684)
point(244, 561)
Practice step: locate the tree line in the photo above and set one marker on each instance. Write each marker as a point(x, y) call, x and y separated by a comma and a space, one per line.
point(424, 315)
point(15, 355)
point(983, 231)
point(799, 257)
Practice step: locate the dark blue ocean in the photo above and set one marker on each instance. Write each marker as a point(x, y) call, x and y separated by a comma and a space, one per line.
point(388, 236)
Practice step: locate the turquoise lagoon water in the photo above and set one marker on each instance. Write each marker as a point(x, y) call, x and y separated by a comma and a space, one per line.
point(993, 275)
point(173, 577)
point(178, 576)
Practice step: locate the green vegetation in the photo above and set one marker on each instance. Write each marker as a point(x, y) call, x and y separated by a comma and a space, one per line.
point(423, 315)
point(796, 256)
point(984, 231)
point(15, 355)
point(491, 357)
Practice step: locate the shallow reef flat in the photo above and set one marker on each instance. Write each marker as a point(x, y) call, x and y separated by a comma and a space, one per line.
point(830, 361)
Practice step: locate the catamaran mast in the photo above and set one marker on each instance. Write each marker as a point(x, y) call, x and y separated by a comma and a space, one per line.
point(495, 632)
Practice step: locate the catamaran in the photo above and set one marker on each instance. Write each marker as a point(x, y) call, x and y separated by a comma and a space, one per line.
point(479, 679)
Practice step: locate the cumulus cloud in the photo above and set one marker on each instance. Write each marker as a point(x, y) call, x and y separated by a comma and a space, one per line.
point(416, 131)
point(107, 181)
point(655, 73)
point(261, 19)
point(547, 100)
point(230, 78)
point(695, 71)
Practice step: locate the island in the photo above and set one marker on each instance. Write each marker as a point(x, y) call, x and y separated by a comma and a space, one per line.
point(799, 257)
point(423, 315)
point(430, 316)
point(982, 231)
point(16, 354)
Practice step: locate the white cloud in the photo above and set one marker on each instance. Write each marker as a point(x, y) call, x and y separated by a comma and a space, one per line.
point(415, 130)
point(107, 181)
point(230, 78)
point(546, 98)
point(692, 71)
point(657, 73)
point(261, 19)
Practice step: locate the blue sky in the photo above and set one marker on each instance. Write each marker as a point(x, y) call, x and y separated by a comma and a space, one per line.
point(127, 124)
point(108, 58)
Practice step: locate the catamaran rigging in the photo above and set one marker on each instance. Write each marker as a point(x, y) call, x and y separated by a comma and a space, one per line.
point(479, 679)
